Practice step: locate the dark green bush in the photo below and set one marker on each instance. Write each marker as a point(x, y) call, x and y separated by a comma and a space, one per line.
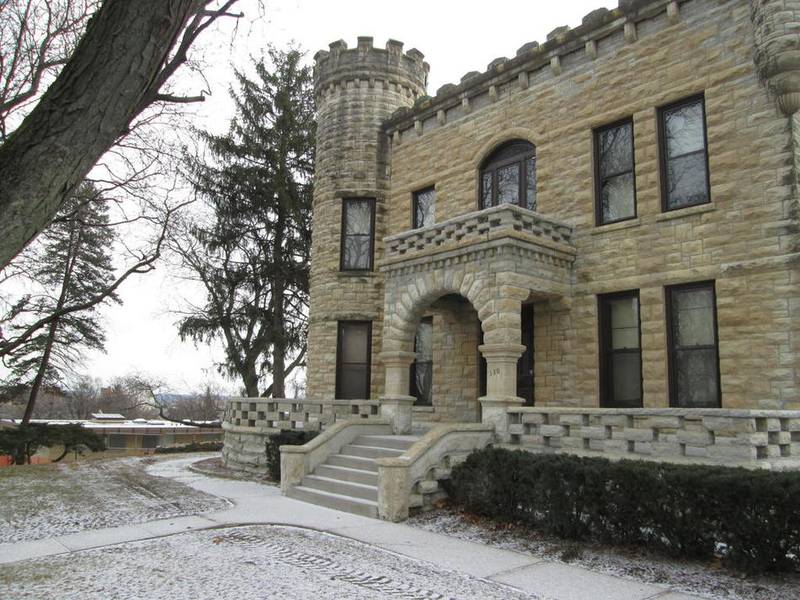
point(192, 447)
point(287, 437)
point(750, 518)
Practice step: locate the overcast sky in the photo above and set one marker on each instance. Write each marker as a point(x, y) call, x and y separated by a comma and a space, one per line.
point(455, 36)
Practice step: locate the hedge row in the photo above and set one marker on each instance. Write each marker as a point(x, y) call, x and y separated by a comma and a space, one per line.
point(750, 518)
point(190, 447)
point(287, 437)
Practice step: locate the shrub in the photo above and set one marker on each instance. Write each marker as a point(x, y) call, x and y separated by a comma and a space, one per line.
point(191, 447)
point(749, 517)
point(287, 437)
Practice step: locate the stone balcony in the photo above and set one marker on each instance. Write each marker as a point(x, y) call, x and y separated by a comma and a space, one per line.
point(501, 238)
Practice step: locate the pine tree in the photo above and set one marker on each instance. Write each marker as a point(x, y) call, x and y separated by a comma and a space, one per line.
point(252, 255)
point(69, 263)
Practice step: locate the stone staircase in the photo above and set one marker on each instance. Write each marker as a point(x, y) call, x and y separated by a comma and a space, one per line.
point(348, 481)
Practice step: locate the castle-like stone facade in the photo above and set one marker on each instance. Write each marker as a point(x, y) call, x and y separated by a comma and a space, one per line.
point(607, 219)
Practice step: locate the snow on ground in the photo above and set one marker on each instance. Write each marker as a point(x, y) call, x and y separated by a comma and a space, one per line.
point(246, 562)
point(634, 563)
point(43, 501)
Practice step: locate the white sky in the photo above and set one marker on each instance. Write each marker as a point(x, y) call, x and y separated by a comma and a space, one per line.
point(455, 36)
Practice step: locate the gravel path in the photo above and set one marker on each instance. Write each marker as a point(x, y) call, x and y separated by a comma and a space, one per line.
point(44, 501)
point(245, 562)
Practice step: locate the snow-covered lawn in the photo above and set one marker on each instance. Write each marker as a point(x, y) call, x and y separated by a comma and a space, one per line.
point(691, 577)
point(43, 501)
point(246, 562)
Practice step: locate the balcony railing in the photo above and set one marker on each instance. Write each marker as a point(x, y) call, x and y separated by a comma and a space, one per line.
point(504, 221)
point(275, 414)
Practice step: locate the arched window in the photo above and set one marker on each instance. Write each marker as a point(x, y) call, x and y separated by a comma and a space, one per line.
point(508, 176)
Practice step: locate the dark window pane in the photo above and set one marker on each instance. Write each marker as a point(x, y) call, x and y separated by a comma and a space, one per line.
point(354, 343)
point(358, 217)
point(486, 190)
point(687, 180)
point(617, 198)
point(353, 382)
point(508, 184)
point(693, 317)
point(624, 323)
point(425, 204)
point(616, 150)
point(357, 251)
point(626, 373)
point(530, 180)
point(696, 384)
point(423, 382)
point(683, 127)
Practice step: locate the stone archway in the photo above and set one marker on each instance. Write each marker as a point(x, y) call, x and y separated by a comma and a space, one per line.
point(496, 297)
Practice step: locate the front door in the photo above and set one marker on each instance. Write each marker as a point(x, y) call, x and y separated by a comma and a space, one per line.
point(525, 363)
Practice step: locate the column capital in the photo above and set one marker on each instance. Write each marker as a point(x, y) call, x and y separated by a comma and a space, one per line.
point(502, 351)
point(396, 358)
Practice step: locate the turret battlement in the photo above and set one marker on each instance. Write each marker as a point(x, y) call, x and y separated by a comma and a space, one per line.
point(341, 64)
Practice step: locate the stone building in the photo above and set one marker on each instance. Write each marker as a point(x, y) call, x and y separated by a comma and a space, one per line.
point(589, 247)
point(608, 219)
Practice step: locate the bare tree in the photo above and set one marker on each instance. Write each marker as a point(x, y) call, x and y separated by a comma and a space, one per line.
point(121, 64)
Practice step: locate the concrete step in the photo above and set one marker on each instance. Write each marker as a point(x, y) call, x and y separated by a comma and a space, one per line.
point(353, 462)
point(369, 451)
point(396, 442)
point(343, 488)
point(366, 508)
point(347, 474)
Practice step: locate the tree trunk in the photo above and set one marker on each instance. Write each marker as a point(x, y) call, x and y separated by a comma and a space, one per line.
point(91, 103)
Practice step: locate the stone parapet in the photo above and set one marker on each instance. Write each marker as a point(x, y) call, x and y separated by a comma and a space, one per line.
point(481, 227)
point(765, 439)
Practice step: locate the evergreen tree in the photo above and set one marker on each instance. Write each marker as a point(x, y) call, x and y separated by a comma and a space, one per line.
point(69, 264)
point(251, 255)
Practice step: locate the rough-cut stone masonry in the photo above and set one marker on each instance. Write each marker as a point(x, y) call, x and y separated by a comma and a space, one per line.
point(381, 137)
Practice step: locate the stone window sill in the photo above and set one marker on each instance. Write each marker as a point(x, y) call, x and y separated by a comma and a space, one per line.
point(616, 226)
point(356, 274)
point(422, 409)
point(686, 212)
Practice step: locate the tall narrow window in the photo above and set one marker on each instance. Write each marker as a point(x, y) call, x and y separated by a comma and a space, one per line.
point(424, 207)
point(693, 347)
point(615, 186)
point(358, 226)
point(422, 367)
point(508, 176)
point(353, 352)
point(620, 350)
point(684, 156)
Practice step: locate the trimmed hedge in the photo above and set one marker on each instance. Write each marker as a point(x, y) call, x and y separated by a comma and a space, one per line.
point(191, 447)
point(287, 437)
point(749, 518)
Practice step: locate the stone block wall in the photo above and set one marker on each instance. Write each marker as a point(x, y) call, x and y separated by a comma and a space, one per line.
point(748, 438)
point(746, 238)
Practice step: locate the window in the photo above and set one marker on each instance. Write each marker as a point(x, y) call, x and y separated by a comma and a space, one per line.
point(615, 185)
point(508, 176)
point(692, 341)
point(353, 353)
point(620, 350)
point(422, 367)
point(424, 207)
point(684, 157)
point(149, 441)
point(116, 440)
point(358, 225)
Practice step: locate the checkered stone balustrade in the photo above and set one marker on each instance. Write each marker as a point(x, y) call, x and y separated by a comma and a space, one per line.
point(751, 438)
point(479, 227)
point(249, 422)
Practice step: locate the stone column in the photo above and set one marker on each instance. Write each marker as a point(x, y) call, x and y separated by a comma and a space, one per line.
point(396, 403)
point(501, 384)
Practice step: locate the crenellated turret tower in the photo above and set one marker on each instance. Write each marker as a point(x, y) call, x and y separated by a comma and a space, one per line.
point(356, 90)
